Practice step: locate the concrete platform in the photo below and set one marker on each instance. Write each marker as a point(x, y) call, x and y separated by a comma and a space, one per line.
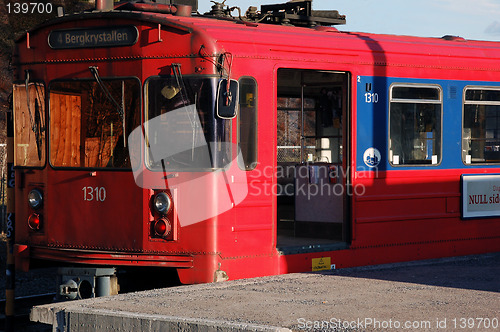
point(453, 294)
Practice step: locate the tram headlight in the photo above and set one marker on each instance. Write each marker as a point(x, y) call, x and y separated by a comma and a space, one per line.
point(35, 199)
point(162, 203)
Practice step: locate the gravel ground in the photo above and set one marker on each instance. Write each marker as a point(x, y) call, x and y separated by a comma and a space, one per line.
point(34, 282)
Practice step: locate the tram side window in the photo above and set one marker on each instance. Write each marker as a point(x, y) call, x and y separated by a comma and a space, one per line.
point(29, 117)
point(89, 126)
point(415, 125)
point(247, 124)
point(481, 126)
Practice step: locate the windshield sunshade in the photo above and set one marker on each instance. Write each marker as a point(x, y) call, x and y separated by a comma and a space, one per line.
point(29, 117)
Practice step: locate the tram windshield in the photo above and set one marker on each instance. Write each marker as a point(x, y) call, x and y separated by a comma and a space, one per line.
point(87, 128)
point(183, 132)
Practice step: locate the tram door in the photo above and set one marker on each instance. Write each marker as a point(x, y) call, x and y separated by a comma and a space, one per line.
point(311, 157)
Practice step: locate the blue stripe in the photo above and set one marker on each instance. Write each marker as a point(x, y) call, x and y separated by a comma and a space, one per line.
point(372, 121)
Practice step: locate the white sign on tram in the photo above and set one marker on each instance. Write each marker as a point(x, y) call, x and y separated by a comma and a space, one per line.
point(480, 195)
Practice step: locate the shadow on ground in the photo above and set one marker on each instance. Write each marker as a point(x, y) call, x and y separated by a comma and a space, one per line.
point(478, 272)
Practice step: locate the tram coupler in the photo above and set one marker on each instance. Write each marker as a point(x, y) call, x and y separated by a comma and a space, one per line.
point(76, 283)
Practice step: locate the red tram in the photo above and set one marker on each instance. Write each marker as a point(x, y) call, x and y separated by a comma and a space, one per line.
point(223, 148)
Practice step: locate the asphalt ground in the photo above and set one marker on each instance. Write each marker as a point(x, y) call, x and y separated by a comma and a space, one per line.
point(451, 294)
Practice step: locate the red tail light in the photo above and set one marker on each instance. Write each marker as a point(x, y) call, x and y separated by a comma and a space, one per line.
point(35, 222)
point(162, 227)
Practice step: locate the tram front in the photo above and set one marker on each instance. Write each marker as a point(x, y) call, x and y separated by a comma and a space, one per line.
point(117, 140)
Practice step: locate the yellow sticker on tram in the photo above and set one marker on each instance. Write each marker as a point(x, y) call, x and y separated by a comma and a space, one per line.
point(321, 264)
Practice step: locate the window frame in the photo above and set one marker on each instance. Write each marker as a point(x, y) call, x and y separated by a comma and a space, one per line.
point(439, 101)
point(46, 117)
point(145, 119)
point(475, 102)
point(242, 164)
point(107, 78)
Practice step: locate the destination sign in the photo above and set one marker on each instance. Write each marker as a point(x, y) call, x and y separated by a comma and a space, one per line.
point(94, 37)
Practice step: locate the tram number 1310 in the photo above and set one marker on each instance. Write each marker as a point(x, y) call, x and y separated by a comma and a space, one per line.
point(371, 98)
point(97, 194)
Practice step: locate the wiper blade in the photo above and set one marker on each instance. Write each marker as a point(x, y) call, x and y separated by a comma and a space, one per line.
point(35, 120)
point(176, 68)
point(119, 108)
